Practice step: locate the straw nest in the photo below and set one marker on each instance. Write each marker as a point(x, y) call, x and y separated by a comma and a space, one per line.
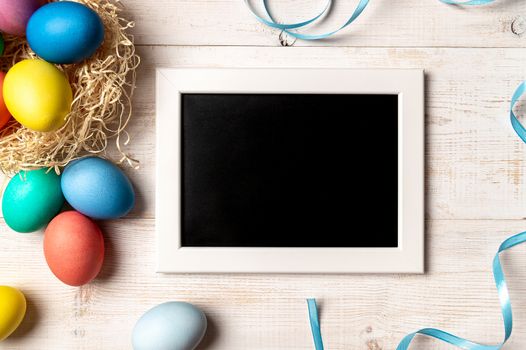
point(101, 109)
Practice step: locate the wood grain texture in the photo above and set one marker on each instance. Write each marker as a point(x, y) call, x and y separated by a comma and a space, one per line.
point(475, 190)
point(385, 23)
point(269, 311)
point(474, 160)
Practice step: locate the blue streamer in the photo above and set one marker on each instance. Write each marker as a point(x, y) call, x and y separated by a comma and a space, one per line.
point(469, 2)
point(517, 126)
point(505, 305)
point(315, 324)
point(271, 22)
point(465, 344)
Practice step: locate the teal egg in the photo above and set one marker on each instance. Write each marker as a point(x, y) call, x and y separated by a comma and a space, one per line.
point(31, 200)
point(170, 326)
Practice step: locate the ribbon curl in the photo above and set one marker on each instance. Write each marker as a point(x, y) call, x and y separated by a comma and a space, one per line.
point(271, 22)
point(517, 126)
point(462, 343)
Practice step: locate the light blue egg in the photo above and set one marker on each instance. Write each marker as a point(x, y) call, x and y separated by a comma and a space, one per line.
point(65, 32)
point(170, 326)
point(97, 188)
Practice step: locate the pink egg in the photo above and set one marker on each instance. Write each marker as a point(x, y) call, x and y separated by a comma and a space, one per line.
point(14, 15)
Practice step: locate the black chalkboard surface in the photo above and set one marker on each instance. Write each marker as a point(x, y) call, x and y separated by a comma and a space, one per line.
point(289, 170)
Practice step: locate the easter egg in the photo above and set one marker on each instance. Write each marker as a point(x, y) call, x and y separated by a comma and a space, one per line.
point(97, 188)
point(73, 248)
point(65, 32)
point(31, 199)
point(14, 15)
point(170, 326)
point(4, 113)
point(12, 310)
point(38, 95)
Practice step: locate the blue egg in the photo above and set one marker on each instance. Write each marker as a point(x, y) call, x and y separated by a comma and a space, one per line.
point(97, 188)
point(170, 326)
point(65, 32)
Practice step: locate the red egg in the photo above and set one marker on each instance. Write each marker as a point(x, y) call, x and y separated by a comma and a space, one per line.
point(4, 113)
point(74, 248)
point(14, 15)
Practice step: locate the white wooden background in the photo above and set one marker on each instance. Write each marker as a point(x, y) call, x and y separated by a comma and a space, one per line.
point(476, 189)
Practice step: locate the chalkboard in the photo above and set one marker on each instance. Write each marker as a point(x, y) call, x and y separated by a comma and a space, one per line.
point(289, 170)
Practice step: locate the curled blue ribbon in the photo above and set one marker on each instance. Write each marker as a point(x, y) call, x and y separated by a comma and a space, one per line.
point(271, 22)
point(462, 343)
point(505, 305)
point(517, 126)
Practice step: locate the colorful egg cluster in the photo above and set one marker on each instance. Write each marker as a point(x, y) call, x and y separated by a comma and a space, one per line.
point(73, 243)
point(38, 95)
point(36, 92)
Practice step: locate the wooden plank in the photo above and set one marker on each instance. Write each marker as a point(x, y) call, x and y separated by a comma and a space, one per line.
point(474, 161)
point(384, 23)
point(269, 311)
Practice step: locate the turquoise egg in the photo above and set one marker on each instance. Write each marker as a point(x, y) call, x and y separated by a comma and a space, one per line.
point(170, 326)
point(31, 200)
point(97, 188)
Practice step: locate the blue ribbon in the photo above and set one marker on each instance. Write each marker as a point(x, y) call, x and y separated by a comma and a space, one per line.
point(517, 126)
point(505, 305)
point(469, 2)
point(498, 274)
point(465, 344)
point(271, 22)
point(315, 324)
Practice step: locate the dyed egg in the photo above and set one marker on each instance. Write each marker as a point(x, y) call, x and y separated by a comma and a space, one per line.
point(170, 326)
point(14, 15)
point(74, 248)
point(97, 188)
point(65, 32)
point(12, 310)
point(38, 95)
point(31, 199)
point(4, 113)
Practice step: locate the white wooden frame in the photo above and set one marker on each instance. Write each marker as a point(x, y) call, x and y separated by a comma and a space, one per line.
point(408, 257)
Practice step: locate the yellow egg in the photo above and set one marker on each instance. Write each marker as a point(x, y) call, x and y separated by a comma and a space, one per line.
point(12, 310)
point(38, 95)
